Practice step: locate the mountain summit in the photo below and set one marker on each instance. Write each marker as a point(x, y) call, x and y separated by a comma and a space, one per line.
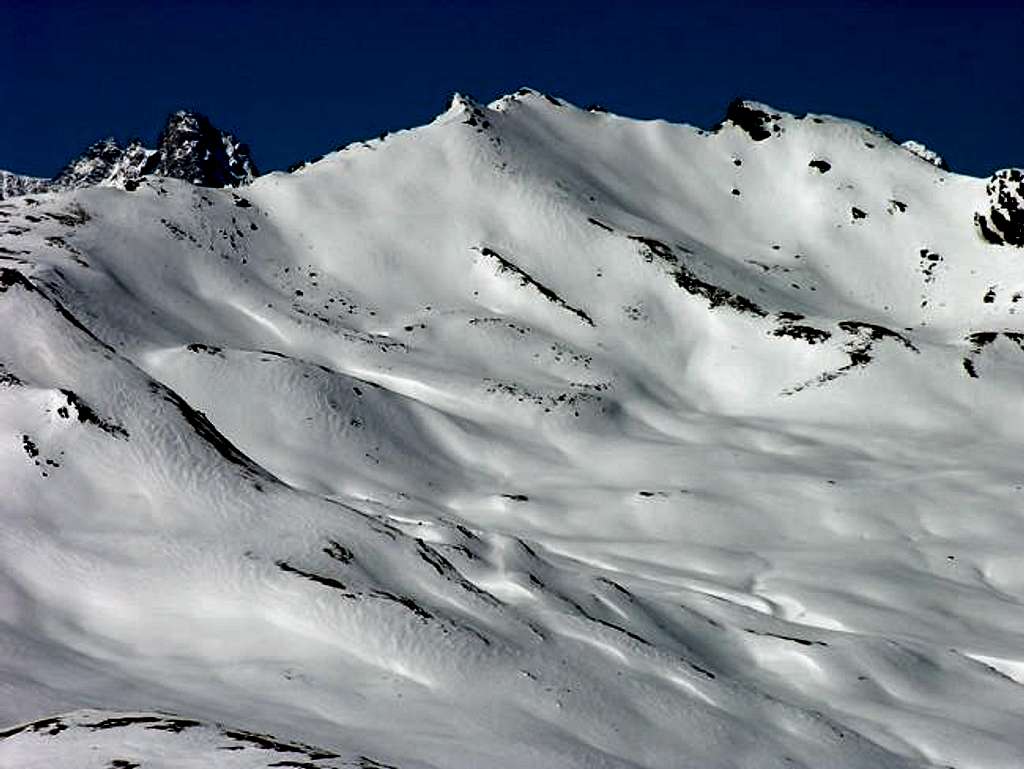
point(192, 149)
point(189, 148)
point(531, 437)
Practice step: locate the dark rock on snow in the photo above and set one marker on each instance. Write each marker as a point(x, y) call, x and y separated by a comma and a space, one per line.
point(1003, 222)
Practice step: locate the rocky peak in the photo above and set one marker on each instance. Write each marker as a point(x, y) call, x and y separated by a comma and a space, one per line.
point(192, 149)
point(12, 185)
point(105, 163)
point(753, 118)
point(189, 148)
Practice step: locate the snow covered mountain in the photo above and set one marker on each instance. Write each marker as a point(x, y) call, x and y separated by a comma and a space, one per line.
point(532, 437)
point(19, 184)
point(189, 147)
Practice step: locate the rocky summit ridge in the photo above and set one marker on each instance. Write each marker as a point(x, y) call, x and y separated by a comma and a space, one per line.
point(189, 147)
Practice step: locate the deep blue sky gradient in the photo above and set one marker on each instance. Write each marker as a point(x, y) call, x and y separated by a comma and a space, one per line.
point(296, 79)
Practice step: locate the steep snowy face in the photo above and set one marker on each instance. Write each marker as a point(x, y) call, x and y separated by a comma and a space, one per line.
point(189, 148)
point(532, 437)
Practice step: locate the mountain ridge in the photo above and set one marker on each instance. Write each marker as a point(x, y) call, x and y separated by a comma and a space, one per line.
point(533, 436)
point(188, 147)
point(745, 113)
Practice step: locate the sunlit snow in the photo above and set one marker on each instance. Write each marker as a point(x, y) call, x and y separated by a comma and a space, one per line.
point(533, 437)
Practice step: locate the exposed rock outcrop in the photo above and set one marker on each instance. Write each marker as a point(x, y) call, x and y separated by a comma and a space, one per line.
point(1003, 222)
point(190, 148)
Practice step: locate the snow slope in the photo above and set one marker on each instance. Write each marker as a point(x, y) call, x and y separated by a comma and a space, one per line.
point(532, 437)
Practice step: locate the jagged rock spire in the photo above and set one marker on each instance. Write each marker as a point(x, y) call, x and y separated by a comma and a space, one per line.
point(192, 149)
point(189, 147)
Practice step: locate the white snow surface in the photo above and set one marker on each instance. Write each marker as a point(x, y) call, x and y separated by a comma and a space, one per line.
point(923, 152)
point(533, 437)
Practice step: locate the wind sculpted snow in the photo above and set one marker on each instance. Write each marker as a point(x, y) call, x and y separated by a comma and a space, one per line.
point(532, 437)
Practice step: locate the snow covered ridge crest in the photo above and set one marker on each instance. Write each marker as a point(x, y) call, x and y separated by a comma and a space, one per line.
point(106, 737)
point(192, 149)
point(189, 148)
point(926, 154)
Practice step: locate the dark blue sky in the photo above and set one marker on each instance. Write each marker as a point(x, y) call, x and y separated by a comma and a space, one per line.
point(295, 79)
